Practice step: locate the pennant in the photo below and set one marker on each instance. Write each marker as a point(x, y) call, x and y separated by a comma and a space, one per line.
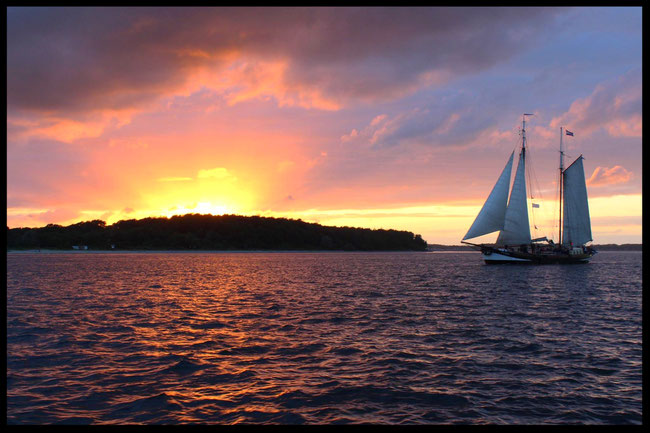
point(569, 132)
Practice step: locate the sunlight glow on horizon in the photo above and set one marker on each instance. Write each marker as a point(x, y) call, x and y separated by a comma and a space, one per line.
point(439, 224)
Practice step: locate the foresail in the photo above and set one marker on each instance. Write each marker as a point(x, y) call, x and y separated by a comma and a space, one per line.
point(577, 225)
point(516, 229)
point(492, 214)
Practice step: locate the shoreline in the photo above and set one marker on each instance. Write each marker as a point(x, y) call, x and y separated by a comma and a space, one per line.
point(47, 251)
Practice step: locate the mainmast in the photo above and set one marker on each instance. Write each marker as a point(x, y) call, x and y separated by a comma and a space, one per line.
point(561, 174)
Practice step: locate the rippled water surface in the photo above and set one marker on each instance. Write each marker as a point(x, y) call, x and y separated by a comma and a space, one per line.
point(321, 338)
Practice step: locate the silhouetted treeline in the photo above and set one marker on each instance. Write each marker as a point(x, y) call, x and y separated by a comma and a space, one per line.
point(210, 232)
point(617, 247)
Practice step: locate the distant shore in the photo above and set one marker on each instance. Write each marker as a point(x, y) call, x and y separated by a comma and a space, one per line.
point(116, 251)
point(597, 247)
point(432, 248)
point(199, 232)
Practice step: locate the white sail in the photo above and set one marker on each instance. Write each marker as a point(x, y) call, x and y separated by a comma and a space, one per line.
point(577, 225)
point(492, 214)
point(516, 229)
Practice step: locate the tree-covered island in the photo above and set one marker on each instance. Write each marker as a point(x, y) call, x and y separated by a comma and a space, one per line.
point(211, 232)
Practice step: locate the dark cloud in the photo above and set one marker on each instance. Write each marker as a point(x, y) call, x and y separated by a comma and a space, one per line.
point(449, 117)
point(67, 59)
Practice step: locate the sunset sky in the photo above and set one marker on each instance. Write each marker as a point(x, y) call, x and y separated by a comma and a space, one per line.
point(366, 117)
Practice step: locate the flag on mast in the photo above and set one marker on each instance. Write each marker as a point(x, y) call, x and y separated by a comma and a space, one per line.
point(569, 132)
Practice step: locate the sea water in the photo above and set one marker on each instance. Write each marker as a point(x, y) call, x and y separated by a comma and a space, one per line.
point(321, 338)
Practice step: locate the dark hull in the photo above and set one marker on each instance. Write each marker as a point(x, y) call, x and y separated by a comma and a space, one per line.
point(494, 256)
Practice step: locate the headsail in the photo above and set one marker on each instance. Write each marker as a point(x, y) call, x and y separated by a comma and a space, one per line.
point(577, 225)
point(516, 229)
point(492, 214)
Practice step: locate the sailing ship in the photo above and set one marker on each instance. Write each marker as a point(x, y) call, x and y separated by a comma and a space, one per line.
point(510, 217)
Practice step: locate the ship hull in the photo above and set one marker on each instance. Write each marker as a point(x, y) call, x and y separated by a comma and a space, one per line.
point(494, 256)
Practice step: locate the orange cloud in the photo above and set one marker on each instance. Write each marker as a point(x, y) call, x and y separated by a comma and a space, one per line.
point(68, 128)
point(246, 79)
point(631, 127)
point(614, 105)
point(608, 176)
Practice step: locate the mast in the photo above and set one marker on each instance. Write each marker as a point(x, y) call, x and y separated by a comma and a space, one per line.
point(516, 228)
point(561, 182)
point(523, 134)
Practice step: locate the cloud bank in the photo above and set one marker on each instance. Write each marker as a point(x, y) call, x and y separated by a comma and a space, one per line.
point(70, 60)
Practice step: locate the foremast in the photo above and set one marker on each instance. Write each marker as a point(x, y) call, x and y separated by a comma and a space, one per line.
point(516, 228)
point(523, 134)
point(509, 217)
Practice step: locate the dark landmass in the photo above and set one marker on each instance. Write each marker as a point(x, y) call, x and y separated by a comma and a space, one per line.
point(617, 247)
point(210, 232)
point(439, 247)
point(603, 247)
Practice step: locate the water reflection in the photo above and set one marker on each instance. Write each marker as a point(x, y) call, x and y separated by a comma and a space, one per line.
point(318, 338)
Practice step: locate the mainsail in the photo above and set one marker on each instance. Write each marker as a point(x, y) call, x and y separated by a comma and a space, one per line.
point(577, 225)
point(516, 229)
point(492, 214)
